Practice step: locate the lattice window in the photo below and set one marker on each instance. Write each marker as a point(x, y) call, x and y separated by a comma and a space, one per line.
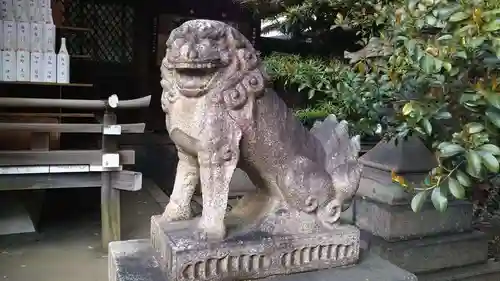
point(111, 39)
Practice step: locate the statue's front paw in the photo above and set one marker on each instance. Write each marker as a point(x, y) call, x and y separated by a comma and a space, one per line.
point(211, 231)
point(175, 212)
point(330, 213)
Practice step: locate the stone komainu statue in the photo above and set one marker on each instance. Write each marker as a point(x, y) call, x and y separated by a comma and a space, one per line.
point(221, 114)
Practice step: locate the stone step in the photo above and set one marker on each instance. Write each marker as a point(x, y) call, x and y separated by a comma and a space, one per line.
point(489, 271)
point(399, 222)
point(434, 253)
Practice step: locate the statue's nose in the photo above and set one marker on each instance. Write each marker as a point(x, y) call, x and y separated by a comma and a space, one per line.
point(192, 54)
point(189, 51)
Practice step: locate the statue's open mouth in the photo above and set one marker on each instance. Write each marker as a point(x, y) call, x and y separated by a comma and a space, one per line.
point(196, 79)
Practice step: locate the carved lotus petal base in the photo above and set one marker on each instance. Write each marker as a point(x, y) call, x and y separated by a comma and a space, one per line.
point(184, 257)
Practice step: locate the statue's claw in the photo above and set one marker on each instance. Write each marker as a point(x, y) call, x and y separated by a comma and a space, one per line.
point(329, 215)
point(175, 212)
point(211, 232)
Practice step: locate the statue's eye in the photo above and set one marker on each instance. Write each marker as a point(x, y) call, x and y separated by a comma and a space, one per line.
point(214, 36)
point(179, 42)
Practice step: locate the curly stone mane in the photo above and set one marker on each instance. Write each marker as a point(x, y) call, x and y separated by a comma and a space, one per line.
point(217, 49)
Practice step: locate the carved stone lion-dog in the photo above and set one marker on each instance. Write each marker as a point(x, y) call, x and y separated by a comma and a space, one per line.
point(222, 114)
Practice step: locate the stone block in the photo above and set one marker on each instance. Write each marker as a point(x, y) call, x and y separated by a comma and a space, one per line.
point(434, 253)
point(489, 271)
point(256, 255)
point(15, 218)
point(398, 222)
point(377, 185)
point(347, 216)
point(135, 260)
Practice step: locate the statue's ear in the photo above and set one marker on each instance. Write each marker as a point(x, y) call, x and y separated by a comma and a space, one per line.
point(234, 38)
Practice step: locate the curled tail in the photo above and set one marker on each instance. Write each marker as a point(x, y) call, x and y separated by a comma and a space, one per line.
point(341, 160)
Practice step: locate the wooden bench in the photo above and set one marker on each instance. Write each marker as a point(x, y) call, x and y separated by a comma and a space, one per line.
point(42, 168)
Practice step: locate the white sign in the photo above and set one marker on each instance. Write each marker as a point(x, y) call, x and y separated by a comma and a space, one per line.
point(69, 169)
point(24, 170)
point(115, 130)
point(111, 160)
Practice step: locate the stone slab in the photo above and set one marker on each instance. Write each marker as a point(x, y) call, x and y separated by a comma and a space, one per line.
point(434, 253)
point(489, 271)
point(135, 260)
point(405, 157)
point(14, 216)
point(377, 185)
point(183, 256)
point(399, 222)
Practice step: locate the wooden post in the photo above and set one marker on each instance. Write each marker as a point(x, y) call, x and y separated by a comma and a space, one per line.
point(110, 197)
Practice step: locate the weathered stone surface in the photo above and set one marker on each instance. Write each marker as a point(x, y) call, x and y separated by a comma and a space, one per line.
point(184, 257)
point(398, 222)
point(222, 115)
point(135, 260)
point(347, 216)
point(434, 253)
point(377, 185)
point(240, 184)
point(489, 271)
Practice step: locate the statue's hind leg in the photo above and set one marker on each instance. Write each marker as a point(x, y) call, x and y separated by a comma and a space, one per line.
point(186, 179)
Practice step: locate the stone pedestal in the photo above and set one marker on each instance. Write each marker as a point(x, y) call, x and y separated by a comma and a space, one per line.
point(183, 256)
point(135, 260)
point(433, 245)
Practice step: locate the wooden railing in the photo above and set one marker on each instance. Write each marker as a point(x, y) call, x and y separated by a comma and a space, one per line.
point(42, 168)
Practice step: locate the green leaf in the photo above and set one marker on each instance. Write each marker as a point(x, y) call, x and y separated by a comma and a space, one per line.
point(445, 37)
point(461, 54)
point(418, 200)
point(311, 93)
point(491, 13)
point(427, 181)
point(427, 64)
point(494, 99)
point(431, 20)
point(489, 161)
point(466, 30)
point(456, 189)
point(438, 64)
point(460, 16)
point(474, 127)
point(427, 126)
point(494, 116)
point(447, 66)
point(477, 41)
point(407, 108)
point(439, 199)
point(473, 163)
point(449, 149)
point(410, 46)
point(302, 87)
point(412, 4)
point(492, 26)
point(442, 115)
point(490, 148)
point(463, 178)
